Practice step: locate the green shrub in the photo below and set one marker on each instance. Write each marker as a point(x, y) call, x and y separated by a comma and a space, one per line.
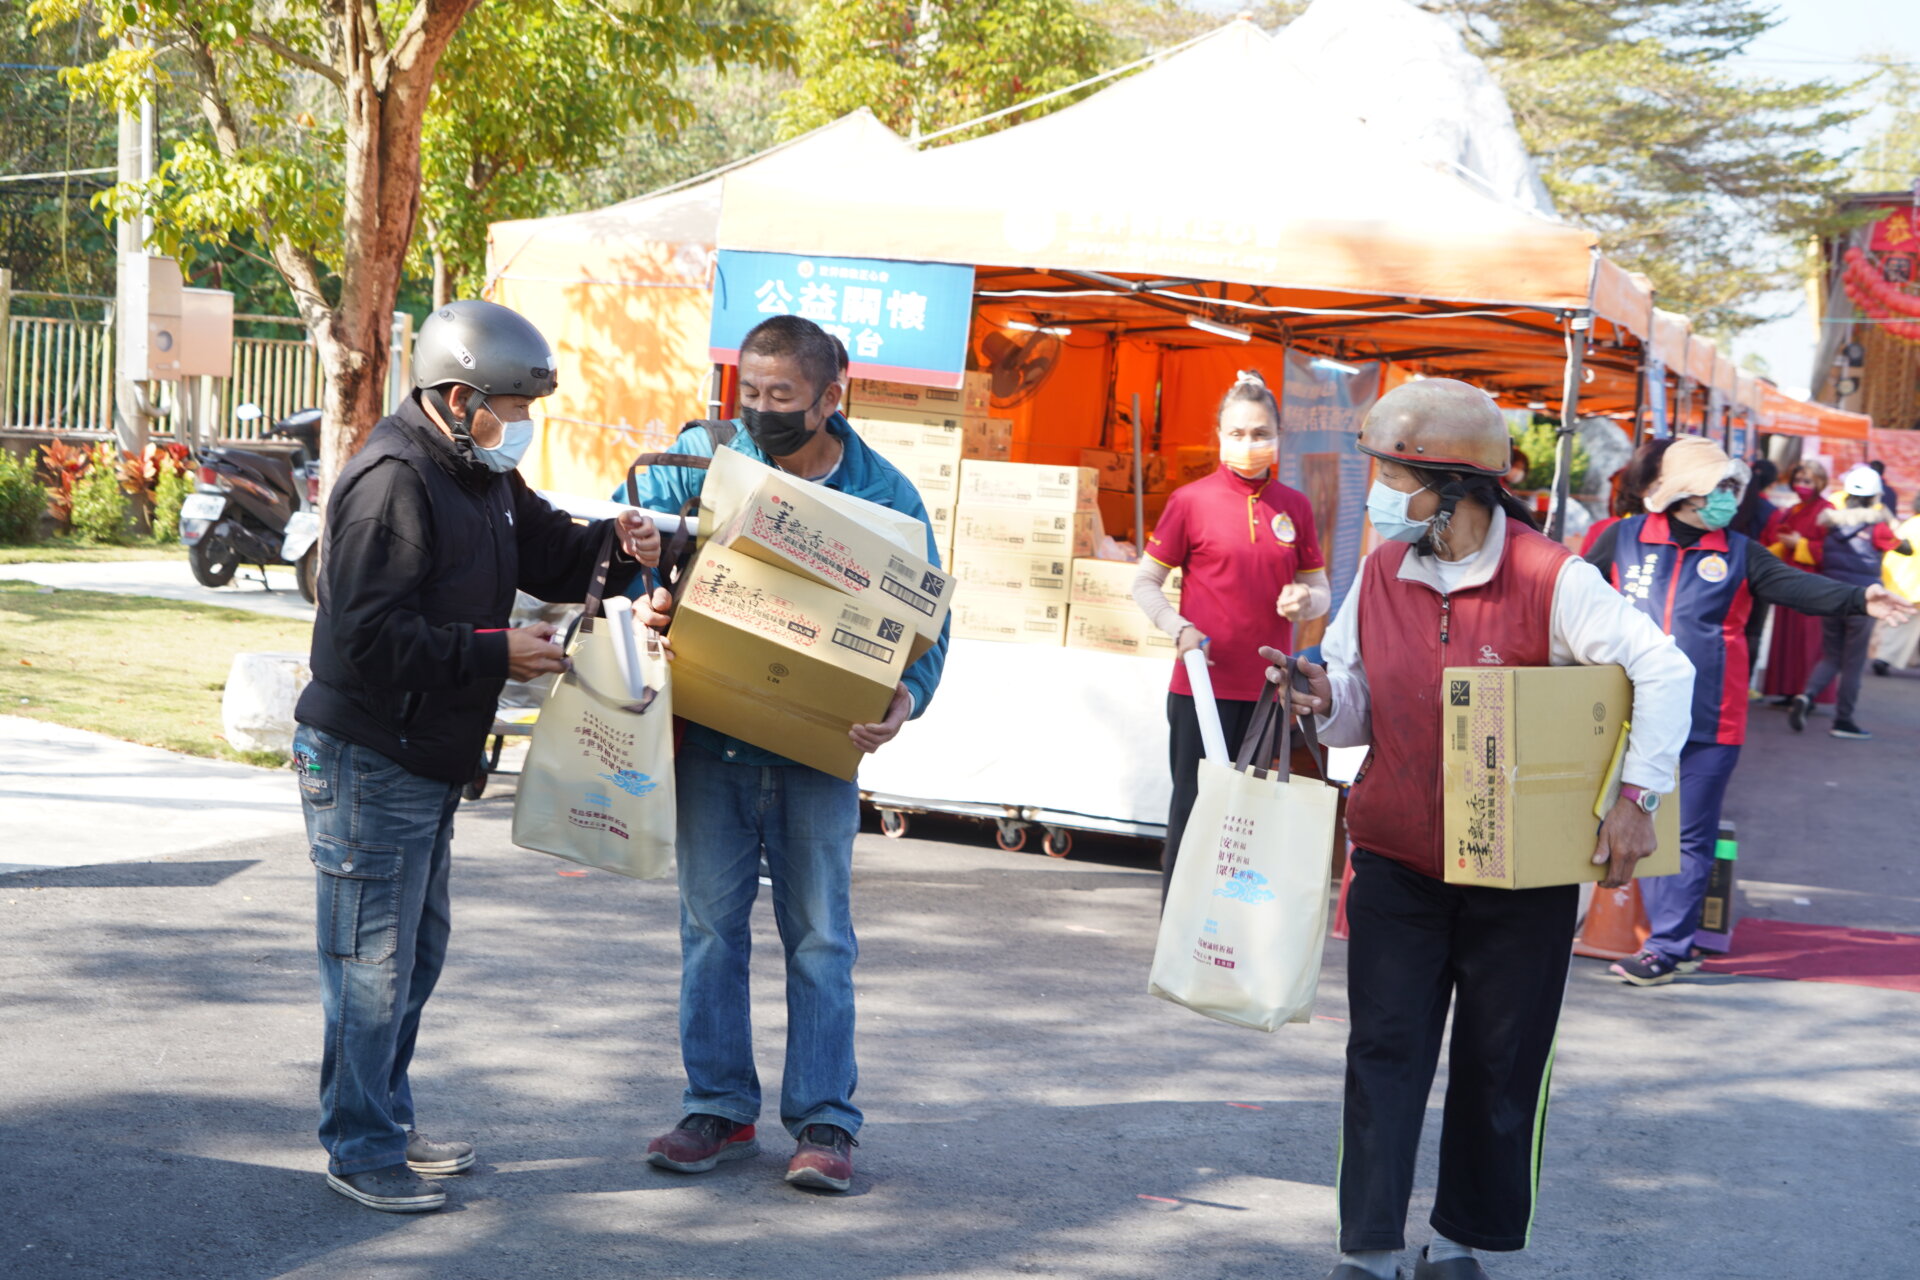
point(100, 507)
point(168, 493)
point(21, 498)
point(1538, 442)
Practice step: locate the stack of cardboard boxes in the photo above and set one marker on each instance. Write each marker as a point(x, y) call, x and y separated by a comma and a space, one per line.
point(1102, 615)
point(802, 608)
point(927, 432)
point(1018, 528)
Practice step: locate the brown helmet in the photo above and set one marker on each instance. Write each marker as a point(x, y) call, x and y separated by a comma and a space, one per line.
point(1441, 423)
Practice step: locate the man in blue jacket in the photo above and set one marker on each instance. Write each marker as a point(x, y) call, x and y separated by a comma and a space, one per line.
point(738, 801)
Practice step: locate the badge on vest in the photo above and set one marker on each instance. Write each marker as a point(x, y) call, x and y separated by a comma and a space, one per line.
point(1283, 528)
point(1713, 569)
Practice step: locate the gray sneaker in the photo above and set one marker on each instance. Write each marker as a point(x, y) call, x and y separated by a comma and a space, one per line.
point(424, 1155)
point(395, 1189)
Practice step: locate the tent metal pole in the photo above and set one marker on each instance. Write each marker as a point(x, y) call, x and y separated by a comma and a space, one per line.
point(1139, 481)
point(716, 397)
point(1578, 326)
point(1640, 401)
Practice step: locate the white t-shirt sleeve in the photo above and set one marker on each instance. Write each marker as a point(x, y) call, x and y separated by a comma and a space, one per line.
point(1350, 722)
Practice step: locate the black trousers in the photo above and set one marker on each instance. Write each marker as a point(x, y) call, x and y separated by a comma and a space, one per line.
point(1184, 753)
point(1500, 957)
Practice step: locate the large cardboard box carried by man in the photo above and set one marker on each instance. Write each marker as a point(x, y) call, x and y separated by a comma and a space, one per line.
point(870, 552)
point(781, 661)
point(1527, 752)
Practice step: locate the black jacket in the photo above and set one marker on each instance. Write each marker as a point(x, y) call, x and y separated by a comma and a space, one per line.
point(424, 548)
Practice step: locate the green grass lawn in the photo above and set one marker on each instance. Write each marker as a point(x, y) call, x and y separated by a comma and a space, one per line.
point(145, 670)
point(68, 551)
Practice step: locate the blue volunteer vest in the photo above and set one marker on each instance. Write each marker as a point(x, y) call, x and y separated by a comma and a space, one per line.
point(1699, 596)
point(1851, 556)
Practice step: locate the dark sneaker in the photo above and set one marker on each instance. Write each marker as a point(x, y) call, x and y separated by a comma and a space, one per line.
point(824, 1159)
point(1797, 711)
point(1648, 969)
point(699, 1142)
point(395, 1189)
point(1451, 1269)
point(424, 1155)
point(1880, 666)
point(1847, 729)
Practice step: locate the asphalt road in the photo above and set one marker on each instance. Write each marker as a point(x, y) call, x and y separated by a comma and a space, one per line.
point(1031, 1110)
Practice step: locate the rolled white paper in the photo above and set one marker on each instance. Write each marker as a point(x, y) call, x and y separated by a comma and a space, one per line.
point(1212, 738)
point(625, 650)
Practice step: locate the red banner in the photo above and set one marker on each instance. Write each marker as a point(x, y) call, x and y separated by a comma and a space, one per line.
point(1898, 232)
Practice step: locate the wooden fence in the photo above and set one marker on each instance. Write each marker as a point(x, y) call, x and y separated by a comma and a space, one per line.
point(58, 374)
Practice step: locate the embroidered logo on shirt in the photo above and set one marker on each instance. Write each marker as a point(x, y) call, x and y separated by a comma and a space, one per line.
point(1488, 658)
point(1283, 528)
point(1713, 569)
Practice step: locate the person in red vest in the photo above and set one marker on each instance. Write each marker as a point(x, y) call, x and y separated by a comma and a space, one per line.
point(1251, 562)
point(1682, 565)
point(1461, 579)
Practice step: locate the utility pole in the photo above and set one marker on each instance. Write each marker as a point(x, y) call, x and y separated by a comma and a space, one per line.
point(134, 414)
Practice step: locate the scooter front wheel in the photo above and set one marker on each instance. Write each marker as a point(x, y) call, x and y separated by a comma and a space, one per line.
point(307, 574)
point(213, 561)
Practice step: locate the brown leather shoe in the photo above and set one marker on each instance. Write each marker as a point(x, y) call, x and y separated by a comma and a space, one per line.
point(824, 1159)
point(700, 1142)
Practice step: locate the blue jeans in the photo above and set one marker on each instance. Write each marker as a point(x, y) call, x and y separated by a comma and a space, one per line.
point(380, 841)
point(1674, 902)
point(804, 822)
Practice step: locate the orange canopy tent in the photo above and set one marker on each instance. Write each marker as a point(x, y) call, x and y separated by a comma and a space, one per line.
point(623, 294)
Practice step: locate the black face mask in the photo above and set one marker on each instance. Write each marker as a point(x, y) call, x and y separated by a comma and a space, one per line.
point(780, 433)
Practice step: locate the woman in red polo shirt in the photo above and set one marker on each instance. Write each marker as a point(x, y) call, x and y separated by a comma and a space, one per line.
point(1251, 567)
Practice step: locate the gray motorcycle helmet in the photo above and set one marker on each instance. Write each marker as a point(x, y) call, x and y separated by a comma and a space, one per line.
point(483, 345)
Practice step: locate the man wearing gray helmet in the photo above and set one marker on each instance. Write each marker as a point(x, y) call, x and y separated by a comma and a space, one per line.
point(429, 531)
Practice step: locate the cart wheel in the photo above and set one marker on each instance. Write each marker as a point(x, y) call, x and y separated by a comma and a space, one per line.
point(893, 823)
point(1059, 843)
point(476, 787)
point(1011, 836)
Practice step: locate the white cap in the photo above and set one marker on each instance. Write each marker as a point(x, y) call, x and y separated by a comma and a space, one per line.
point(1862, 482)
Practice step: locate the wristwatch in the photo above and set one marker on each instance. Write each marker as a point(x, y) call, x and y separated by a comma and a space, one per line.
point(1648, 801)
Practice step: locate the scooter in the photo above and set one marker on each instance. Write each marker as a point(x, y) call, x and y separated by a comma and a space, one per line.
point(257, 508)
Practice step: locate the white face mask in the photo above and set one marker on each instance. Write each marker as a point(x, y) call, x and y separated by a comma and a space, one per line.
point(515, 439)
point(1387, 508)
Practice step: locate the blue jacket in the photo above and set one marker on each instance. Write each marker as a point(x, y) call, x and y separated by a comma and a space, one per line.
point(1699, 595)
point(862, 473)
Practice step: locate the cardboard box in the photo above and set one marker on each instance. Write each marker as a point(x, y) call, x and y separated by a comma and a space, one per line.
point(1116, 513)
point(1013, 619)
point(863, 550)
point(1194, 462)
point(1116, 470)
point(1526, 751)
point(974, 395)
point(1116, 630)
point(1108, 584)
point(787, 664)
point(1012, 573)
point(1072, 533)
point(1028, 486)
point(989, 439)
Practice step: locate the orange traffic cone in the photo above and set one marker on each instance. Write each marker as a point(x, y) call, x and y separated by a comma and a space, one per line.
point(1616, 924)
point(1340, 907)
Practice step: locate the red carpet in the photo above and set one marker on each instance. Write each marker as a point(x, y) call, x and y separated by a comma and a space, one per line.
point(1822, 953)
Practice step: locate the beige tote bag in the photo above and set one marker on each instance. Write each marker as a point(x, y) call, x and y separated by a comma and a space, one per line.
point(1246, 915)
point(597, 787)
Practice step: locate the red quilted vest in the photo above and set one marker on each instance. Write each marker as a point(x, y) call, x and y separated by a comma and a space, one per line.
point(1409, 634)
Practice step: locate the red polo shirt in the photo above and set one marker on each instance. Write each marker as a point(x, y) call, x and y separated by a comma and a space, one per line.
point(1239, 542)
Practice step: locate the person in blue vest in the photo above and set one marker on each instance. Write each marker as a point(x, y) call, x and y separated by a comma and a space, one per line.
point(1682, 565)
point(1859, 535)
point(738, 802)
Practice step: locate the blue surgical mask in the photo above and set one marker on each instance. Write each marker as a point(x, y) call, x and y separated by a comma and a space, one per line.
point(1719, 509)
point(515, 439)
point(1387, 508)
